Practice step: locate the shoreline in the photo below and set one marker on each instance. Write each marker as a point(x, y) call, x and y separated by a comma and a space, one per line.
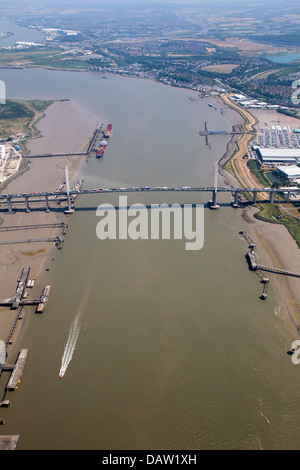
point(14, 257)
point(276, 247)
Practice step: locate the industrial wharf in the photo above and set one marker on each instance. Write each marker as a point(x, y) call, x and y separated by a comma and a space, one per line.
point(89, 149)
point(254, 266)
point(18, 299)
point(207, 132)
point(259, 268)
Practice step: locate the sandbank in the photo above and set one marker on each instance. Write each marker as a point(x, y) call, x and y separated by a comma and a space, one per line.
point(65, 128)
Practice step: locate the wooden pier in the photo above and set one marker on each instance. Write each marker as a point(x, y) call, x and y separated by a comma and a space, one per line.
point(19, 300)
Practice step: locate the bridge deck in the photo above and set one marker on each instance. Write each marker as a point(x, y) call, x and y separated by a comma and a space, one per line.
point(73, 192)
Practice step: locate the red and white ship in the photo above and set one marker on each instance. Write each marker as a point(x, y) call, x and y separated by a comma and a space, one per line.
point(101, 148)
point(108, 131)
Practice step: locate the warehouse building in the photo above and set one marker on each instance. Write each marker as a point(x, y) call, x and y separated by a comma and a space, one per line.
point(291, 172)
point(272, 155)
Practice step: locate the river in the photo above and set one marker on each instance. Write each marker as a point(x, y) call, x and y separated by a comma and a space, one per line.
point(175, 349)
point(19, 33)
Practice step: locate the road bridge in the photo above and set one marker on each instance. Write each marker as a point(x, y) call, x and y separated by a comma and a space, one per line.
point(69, 195)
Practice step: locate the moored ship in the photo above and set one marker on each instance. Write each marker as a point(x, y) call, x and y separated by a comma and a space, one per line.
point(108, 131)
point(102, 148)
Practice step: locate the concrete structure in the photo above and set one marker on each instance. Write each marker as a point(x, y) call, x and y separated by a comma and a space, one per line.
point(2, 152)
point(2, 353)
point(291, 172)
point(268, 155)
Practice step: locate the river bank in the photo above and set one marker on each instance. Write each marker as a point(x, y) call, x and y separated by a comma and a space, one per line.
point(57, 136)
point(65, 128)
point(275, 246)
point(151, 313)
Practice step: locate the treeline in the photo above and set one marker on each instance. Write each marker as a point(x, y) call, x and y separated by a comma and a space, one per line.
point(290, 39)
point(14, 110)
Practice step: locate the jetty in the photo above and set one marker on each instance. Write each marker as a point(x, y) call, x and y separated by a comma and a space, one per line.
point(17, 370)
point(254, 266)
point(19, 299)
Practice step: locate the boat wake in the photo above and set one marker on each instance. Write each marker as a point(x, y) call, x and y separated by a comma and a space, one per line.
point(70, 345)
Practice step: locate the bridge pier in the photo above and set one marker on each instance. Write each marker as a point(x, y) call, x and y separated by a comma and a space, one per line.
point(254, 197)
point(213, 204)
point(235, 202)
point(9, 204)
point(47, 203)
point(272, 194)
point(27, 204)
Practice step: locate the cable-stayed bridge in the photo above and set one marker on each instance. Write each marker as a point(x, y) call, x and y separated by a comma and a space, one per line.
point(69, 195)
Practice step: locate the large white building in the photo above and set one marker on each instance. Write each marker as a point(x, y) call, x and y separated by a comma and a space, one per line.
point(291, 172)
point(268, 155)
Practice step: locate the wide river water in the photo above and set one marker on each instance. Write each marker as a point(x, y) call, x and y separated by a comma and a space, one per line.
point(175, 348)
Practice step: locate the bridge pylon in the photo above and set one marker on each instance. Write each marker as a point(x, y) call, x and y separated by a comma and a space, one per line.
point(69, 209)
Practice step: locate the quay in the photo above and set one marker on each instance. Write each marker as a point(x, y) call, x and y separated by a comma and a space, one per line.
point(70, 154)
point(254, 266)
point(207, 132)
